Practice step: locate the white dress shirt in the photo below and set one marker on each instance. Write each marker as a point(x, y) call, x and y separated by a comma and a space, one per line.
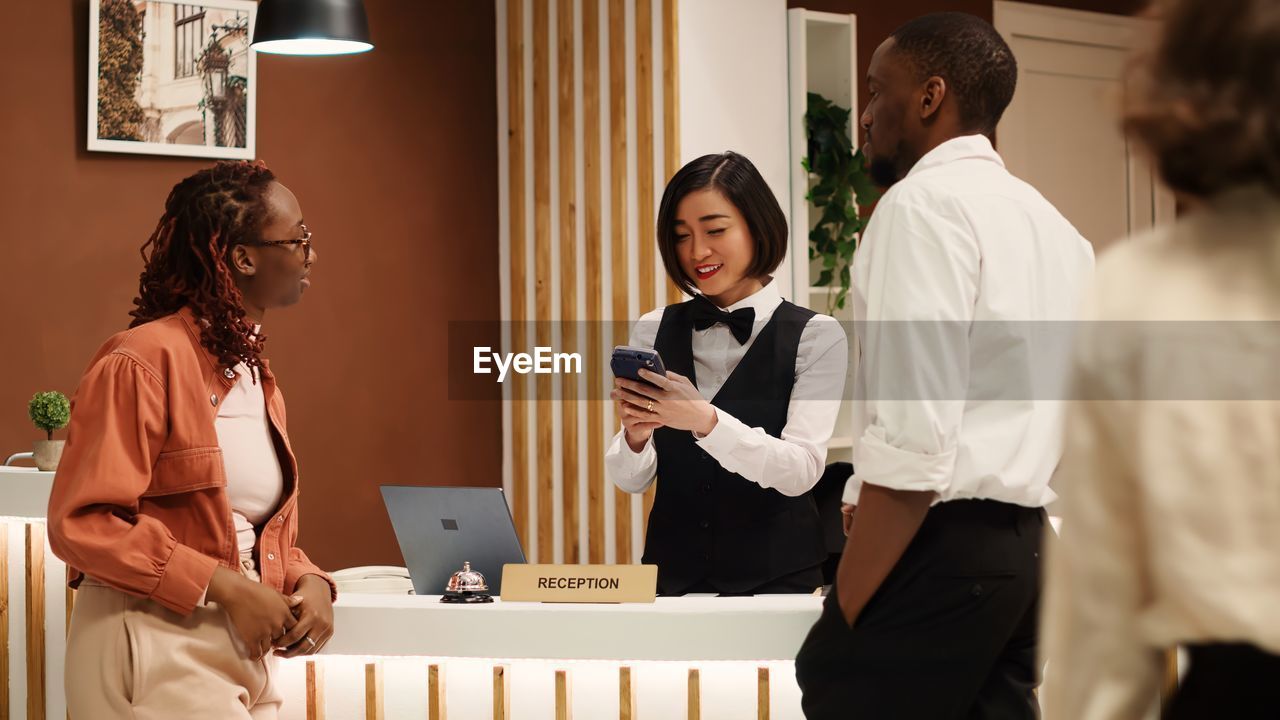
point(790, 464)
point(959, 268)
point(1171, 477)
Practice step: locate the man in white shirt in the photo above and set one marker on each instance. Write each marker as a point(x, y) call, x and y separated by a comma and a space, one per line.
point(961, 270)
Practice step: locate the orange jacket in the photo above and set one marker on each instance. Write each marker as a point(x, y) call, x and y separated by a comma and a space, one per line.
point(140, 497)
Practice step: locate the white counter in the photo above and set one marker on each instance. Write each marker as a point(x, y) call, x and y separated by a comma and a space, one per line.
point(24, 492)
point(730, 642)
point(768, 627)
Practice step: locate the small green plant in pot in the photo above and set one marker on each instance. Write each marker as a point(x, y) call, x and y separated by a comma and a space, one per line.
point(49, 411)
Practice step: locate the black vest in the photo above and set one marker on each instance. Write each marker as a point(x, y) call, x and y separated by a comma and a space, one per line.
point(708, 523)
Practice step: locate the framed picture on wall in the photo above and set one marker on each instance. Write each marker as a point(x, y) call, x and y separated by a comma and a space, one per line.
point(171, 78)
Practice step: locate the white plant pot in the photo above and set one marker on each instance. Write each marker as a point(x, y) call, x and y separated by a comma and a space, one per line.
point(48, 453)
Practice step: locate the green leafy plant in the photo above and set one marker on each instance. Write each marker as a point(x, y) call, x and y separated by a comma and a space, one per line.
point(49, 411)
point(842, 184)
point(120, 116)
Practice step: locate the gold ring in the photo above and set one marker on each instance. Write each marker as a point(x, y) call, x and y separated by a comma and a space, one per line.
point(650, 407)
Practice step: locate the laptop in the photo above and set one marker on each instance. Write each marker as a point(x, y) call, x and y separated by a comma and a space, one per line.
point(439, 528)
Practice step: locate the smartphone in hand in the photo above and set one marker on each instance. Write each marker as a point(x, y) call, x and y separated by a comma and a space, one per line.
point(628, 361)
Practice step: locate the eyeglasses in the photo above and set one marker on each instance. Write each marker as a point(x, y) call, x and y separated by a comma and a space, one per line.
point(304, 241)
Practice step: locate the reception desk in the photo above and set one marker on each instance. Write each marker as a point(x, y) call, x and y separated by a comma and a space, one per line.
point(404, 656)
point(707, 657)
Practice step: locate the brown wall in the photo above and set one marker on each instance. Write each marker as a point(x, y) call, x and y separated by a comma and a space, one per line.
point(393, 156)
point(877, 18)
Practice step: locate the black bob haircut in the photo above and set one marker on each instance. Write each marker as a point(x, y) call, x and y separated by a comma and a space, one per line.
point(970, 55)
point(738, 180)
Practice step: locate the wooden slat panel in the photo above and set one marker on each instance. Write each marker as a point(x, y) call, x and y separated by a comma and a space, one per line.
point(762, 693)
point(436, 709)
point(593, 245)
point(671, 108)
point(619, 265)
point(542, 272)
point(519, 313)
point(644, 151)
point(568, 275)
point(564, 696)
point(644, 178)
point(315, 690)
point(1169, 683)
point(373, 706)
point(695, 695)
point(501, 692)
point(35, 621)
point(626, 694)
point(4, 618)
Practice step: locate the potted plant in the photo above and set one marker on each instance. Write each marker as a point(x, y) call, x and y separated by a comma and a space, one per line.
point(49, 411)
point(842, 182)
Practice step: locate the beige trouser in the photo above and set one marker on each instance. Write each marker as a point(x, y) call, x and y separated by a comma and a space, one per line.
point(129, 658)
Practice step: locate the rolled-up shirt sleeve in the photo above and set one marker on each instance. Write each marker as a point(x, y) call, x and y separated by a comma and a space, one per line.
point(923, 274)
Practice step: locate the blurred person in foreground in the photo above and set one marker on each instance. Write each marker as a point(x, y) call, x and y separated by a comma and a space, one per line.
point(1171, 475)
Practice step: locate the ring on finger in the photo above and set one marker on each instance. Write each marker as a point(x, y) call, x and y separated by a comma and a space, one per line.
point(649, 407)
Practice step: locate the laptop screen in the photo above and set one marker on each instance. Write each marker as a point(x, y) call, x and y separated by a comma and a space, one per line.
point(440, 528)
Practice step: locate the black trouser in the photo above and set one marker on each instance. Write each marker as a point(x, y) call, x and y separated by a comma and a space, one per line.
point(951, 633)
point(1239, 682)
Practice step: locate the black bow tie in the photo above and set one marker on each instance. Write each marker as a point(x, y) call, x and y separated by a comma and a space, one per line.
point(706, 314)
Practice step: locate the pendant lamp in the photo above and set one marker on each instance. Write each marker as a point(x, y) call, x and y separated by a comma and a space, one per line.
point(311, 27)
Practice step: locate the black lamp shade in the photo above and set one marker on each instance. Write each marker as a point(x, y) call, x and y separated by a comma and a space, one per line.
point(311, 27)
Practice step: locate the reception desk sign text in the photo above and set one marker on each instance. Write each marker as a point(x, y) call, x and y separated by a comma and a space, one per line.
point(579, 583)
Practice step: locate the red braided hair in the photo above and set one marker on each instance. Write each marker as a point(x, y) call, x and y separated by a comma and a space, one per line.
point(186, 257)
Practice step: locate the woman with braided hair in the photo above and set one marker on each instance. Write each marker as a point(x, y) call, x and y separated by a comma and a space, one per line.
point(175, 504)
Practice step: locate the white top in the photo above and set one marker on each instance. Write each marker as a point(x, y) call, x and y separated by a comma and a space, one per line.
point(255, 480)
point(764, 627)
point(974, 261)
point(1170, 488)
point(790, 464)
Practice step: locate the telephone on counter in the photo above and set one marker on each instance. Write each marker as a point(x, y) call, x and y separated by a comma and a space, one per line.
point(378, 579)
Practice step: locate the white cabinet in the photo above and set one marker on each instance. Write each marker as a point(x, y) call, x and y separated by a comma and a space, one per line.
point(821, 58)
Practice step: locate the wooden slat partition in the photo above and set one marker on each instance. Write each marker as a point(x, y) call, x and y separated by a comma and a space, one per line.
point(593, 243)
point(1169, 683)
point(373, 697)
point(70, 607)
point(542, 273)
point(564, 696)
point(644, 152)
point(762, 693)
point(501, 692)
point(436, 709)
point(515, 207)
point(35, 621)
point(671, 109)
point(626, 694)
point(695, 695)
point(568, 276)
point(315, 690)
point(564, 125)
point(644, 178)
point(619, 261)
